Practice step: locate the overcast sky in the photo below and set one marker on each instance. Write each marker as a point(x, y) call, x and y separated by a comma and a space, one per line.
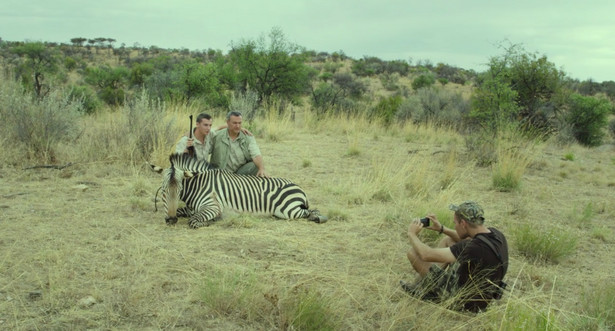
point(577, 36)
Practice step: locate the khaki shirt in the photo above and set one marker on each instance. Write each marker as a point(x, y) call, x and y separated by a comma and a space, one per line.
point(201, 149)
point(230, 154)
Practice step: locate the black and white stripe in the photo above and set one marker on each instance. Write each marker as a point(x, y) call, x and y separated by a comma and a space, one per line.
point(207, 192)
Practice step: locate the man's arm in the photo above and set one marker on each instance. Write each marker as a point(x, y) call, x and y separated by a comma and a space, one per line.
point(258, 162)
point(182, 145)
point(439, 227)
point(424, 252)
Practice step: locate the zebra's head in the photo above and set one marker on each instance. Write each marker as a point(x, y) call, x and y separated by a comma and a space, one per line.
point(172, 184)
point(182, 166)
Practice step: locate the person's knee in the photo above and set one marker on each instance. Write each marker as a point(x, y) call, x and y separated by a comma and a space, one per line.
point(446, 242)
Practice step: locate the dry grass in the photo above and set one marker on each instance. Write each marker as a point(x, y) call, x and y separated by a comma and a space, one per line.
point(82, 248)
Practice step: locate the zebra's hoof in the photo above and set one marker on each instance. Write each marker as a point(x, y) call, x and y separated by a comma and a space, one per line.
point(317, 218)
point(170, 220)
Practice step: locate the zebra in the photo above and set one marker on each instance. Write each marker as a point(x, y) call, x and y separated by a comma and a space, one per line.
point(207, 191)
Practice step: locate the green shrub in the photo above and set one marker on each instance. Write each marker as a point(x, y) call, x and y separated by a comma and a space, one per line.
point(569, 156)
point(87, 97)
point(588, 117)
point(550, 245)
point(422, 81)
point(386, 109)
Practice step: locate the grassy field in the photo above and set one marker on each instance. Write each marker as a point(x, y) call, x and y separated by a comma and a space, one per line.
point(82, 248)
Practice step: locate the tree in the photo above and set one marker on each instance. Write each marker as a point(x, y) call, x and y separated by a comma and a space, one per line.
point(520, 87)
point(537, 82)
point(39, 60)
point(78, 41)
point(272, 69)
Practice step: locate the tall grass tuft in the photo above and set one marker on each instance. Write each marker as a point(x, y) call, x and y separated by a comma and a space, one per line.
point(599, 303)
point(307, 310)
point(552, 245)
point(514, 154)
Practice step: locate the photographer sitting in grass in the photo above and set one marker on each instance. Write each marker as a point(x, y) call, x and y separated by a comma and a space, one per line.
point(467, 267)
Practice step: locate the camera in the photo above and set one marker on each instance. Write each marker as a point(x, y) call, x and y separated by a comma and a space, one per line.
point(425, 221)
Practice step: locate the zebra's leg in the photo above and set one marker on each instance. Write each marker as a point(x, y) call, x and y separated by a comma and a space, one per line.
point(205, 215)
point(185, 212)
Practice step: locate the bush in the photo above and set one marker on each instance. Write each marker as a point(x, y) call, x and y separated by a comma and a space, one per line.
point(588, 117)
point(422, 81)
point(386, 109)
point(612, 128)
point(87, 97)
point(39, 124)
point(550, 245)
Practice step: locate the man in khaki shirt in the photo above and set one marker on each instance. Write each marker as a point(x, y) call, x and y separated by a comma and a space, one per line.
point(235, 151)
point(202, 138)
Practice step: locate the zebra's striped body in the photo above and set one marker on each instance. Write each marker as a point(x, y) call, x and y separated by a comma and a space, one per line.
point(209, 191)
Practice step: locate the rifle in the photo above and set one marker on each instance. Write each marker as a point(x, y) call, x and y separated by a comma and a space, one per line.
point(191, 148)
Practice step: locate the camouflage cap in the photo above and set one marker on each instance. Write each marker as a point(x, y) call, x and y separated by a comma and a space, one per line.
point(470, 211)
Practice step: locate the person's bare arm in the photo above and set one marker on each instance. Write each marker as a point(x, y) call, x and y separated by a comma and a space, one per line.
point(258, 161)
point(426, 253)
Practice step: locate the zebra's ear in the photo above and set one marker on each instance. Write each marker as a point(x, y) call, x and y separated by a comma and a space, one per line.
point(188, 174)
point(155, 168)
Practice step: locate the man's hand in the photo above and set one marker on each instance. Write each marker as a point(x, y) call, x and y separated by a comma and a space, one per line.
point(190, 142)
point(262, 173)
point(434, 224)
point(415, 227)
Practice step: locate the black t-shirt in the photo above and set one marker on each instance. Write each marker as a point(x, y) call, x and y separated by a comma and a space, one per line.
point(477, 264)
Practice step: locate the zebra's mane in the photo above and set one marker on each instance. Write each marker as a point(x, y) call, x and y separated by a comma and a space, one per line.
point(185, 162)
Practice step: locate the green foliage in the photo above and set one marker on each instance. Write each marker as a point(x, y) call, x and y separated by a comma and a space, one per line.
point(423, 80)
point(493, 101)
point(569, 156)
point(518, 87)
point(70, 63)
point(39, 61)
point(198, 80)
point(339, 95)
point(272, 69)
point(552, 244)
point(109, 83)
point(139, 73)
point(386, 109)
point(87, 97)
point(612, 128)
point(588, 117)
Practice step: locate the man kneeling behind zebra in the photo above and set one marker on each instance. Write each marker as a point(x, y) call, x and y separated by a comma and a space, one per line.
point(208, 191)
